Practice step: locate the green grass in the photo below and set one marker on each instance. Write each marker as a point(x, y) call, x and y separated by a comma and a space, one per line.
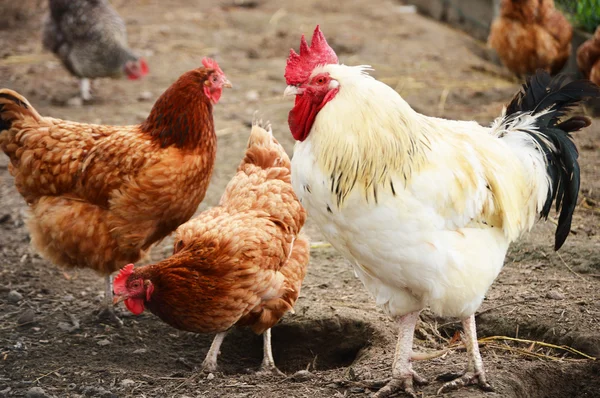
point(583, 14)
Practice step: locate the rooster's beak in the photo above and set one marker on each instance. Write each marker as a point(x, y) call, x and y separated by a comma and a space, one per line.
point(118, 299)
point(292, 90)
point(227, 83)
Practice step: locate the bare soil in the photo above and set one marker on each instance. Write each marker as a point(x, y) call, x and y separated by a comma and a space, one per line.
point(51, 339)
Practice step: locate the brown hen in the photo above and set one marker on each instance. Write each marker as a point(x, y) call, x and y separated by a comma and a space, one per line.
point(241, 263)
point(588, 58)
point(100, 196)
point(530, 35)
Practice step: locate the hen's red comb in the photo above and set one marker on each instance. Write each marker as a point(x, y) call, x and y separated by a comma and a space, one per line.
point(121, 278)
point(210, 63)
point(300, 66)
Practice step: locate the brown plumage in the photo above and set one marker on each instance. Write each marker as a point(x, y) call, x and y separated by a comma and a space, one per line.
point(530, 35)
point(240, 263)
point(100, 196)
point(588, 58)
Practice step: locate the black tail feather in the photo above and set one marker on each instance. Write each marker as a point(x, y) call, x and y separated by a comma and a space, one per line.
point(556, 97)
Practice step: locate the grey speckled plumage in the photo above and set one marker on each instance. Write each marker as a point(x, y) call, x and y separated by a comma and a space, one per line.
point(89, 37)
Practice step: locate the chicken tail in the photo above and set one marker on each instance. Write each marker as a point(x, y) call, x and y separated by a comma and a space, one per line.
point(13, 106)
point(263, 149)
point(535, 120)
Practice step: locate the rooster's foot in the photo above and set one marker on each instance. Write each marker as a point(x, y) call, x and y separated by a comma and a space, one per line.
point(396, 384)
point(107, 314)
point(466, 379)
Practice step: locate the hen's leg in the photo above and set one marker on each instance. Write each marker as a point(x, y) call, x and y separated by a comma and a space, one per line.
point(268, 363)
point(403, 375)
point(475, 373)
point(210, 362)
point(84, 86)
point(107, 311)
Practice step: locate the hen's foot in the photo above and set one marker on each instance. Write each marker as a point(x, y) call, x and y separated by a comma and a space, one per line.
point(398, 383)
point(467, 379)
point(208, 367)
point(269, 370)
point(107, 314)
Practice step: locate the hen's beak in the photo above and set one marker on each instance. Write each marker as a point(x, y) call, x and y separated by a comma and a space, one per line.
point(227, 83)
point(118, 299)
point(292, 90)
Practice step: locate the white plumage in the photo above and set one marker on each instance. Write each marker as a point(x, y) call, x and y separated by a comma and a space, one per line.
point(425, 208)
point(432, 241)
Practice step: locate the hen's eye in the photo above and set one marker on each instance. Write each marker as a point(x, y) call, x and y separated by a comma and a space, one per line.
point(320, 80)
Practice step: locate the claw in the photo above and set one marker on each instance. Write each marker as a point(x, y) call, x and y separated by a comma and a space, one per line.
point(397, 384)
point(108, 314)
point(208, 367)
point(467, 379)
point(270, 371)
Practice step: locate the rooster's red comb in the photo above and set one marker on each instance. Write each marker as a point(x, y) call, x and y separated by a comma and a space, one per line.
point(121, 278)
point(210, 63)
point(300, 66)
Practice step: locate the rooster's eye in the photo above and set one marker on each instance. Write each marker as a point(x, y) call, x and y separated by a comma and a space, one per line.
point(320, 80)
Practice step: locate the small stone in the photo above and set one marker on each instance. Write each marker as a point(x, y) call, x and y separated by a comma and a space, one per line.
point(145, 96)
point(555, 295)
point(357, 390)
point(302, 375)
point(103, 343)
point(127, 382)
point(26, 317)
point(75, 102)
point(141, 116)
point(252, 95)
point(210, 376)
point(14, 297)
point(64, 326)
point(36, 392)
point(92, 391)
point(68, 297)
point(140, 351)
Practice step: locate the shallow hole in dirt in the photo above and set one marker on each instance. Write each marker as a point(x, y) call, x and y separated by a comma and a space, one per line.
point(321, 343)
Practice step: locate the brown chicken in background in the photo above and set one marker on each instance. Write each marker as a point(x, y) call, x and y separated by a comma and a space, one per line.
point(99, 195)
point(530, 35)
point(90, 39)
point(240, 263)
point(588, 58)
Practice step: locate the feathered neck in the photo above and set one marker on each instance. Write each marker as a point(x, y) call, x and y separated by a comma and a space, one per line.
point(367, 137)
point(182, 115)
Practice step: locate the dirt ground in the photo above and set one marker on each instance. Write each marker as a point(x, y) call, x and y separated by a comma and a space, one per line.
point(50, 338)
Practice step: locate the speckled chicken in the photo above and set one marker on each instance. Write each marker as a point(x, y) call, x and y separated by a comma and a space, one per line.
point(588, 58)
point(90, 39)
point(530, 35)
point(238, 264)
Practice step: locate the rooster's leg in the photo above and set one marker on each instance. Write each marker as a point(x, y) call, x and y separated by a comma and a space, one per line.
point(475, 373)
point(268, 363)
point(107, 311)
point(84, 86)
point(210, 362)
point(403, 375)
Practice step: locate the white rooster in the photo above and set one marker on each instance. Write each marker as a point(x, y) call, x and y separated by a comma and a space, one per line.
point(425, 208)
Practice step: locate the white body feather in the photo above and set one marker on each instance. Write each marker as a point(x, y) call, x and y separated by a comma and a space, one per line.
point(438, 231)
